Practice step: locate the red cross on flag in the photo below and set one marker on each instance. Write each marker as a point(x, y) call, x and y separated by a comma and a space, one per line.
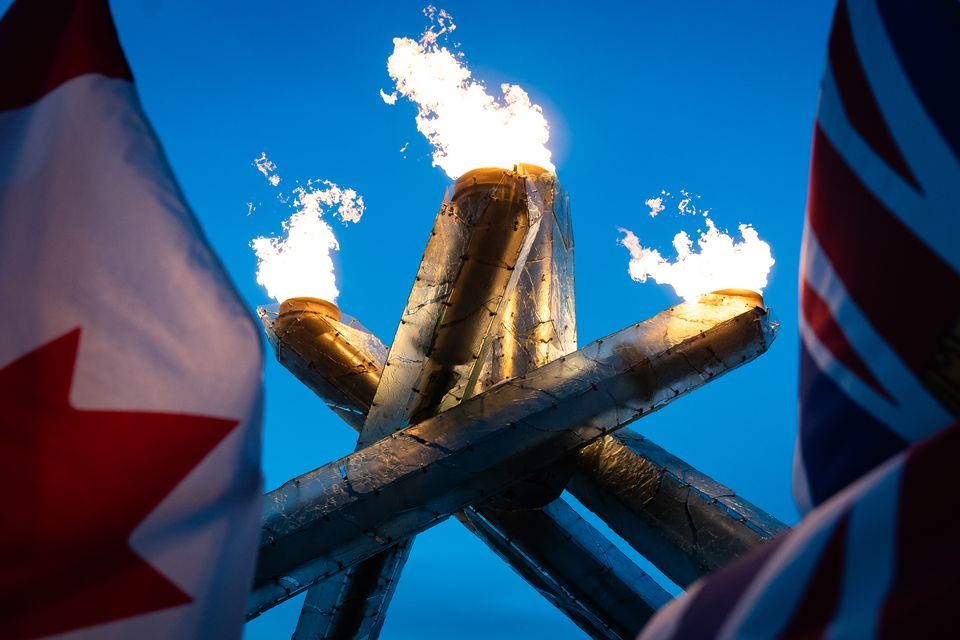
point(130, 371)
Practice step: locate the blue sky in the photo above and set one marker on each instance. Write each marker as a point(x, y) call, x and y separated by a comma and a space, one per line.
point(716, 98)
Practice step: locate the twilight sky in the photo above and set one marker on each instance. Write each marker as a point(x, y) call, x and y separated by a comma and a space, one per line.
point(714, 98)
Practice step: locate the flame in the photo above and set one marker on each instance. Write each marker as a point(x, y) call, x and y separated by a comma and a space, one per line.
point(388, 98)
point(268, 168)
point(721, 263)
point(656, 206)
point(467, 127)
point(301, 262)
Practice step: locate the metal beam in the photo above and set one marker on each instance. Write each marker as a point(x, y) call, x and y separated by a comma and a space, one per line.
point(504, 238)
point(683, 521)
point(353, 603)
point(340, 361)
point(473, 260)
point(346, 511)
point(559, 554)
point(573, 565)
point(475, 254)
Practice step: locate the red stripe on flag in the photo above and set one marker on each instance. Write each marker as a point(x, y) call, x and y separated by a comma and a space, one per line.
point(44, 43)
point(907, 292)
point(831, 335)
point(922, 602)
point(859, 103)
point(720, 593)
point(822, 594)
point(92, 477)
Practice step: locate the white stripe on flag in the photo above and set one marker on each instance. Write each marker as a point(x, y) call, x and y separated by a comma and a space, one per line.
point(914, 414)
point(870, 559)
point(94, 233)
point(768, 604)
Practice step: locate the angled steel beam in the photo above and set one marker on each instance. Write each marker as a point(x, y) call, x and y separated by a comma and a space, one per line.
point(558, 553)
point(537, 324)
point(572, 565)
point(340, 361)
point(331, 354)
point(353, 602)
point(683, 521)
point(348, 510)
point(475, 254)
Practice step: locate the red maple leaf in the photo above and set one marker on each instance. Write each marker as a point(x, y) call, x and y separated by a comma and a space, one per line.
point(77, 484)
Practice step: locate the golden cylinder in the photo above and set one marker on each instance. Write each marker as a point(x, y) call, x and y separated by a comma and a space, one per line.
point(493, 204)
point(313, 347)
point(741, 293)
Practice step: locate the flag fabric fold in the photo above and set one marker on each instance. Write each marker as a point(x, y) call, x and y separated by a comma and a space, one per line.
point(130, 370)
point(880, 346)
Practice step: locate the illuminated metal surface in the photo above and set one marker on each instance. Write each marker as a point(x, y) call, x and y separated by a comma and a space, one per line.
point(481, 234)
point(341, 362)
point(538, 318)
point(534, 324)
point(564, 558)
point(494, 225)
point(684, 522)
point(479, 247)
point(353, 603)
point(348, 510)
point(572, 565)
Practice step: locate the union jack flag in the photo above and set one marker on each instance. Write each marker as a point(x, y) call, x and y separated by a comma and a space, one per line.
point(880, 355)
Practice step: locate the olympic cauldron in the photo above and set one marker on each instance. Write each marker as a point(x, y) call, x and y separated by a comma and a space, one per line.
point(484, 409)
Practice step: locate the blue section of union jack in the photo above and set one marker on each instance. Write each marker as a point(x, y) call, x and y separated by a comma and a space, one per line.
point(880, 356)
point(879, 283)
point(875, 561)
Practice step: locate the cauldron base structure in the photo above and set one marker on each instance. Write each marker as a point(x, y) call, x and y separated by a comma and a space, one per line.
point(541, 415)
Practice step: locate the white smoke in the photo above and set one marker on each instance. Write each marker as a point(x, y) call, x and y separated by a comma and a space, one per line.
point(300, 262)
point(467, 127)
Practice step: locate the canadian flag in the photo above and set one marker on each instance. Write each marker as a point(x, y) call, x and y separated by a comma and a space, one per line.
point(130, 371)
